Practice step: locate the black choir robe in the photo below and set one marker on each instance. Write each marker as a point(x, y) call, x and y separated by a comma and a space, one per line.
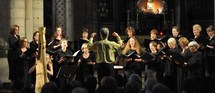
point(84, 69)
point(210, 56)
point(194, 65)
point(12, 54)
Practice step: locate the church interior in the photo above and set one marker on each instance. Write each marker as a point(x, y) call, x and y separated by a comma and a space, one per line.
point(117, 15)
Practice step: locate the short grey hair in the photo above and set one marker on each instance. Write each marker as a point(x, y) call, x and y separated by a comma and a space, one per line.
point(171, 40)
point(104, 32)
point(197, 27)
point(193, 44)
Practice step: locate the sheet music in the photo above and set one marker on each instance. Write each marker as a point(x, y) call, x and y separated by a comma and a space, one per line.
point(118, 67)
point(76, 53)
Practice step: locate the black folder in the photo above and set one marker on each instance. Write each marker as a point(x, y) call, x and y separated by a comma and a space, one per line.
point(68, 56)
point(147, 56)
point(76, 53)
point(50, 52)
point(131, 54)
point(163, 51)
point(163, 39)
point(176, 56)
point(52, 42)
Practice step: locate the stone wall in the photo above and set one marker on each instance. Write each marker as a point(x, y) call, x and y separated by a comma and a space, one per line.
point(28, 14)
point(4, 32)
point(4, 70)
point(5, 19)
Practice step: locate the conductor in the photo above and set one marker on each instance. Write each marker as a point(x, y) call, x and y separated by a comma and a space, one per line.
point(104, 50)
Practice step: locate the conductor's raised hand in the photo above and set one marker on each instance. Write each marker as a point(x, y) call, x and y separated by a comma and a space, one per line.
point(93, 35)
point(115, 34)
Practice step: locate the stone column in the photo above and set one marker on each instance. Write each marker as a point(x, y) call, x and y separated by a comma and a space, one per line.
point(5, 19)
point(17, 15)
point(72, 22)
point(29, 19)
point(4, 70)
point(28, 14)
point(69, 17)
point(60, 13)
point(177, 13)
point(38, 20)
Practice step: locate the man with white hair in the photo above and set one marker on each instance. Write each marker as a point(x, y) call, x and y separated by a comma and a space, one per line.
point(194, 63)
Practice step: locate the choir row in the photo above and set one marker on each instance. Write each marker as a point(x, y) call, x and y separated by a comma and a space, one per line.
point(171, 55)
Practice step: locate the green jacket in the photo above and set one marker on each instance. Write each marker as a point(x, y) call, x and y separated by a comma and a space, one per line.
point(105, 49)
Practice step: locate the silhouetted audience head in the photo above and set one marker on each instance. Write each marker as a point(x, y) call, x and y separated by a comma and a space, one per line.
point(67, 88)
point(160, 88)
point(135, 77)
point(109, 80)
point(108, 85)
point(132, 87)
point(120, 80)
point(49, 87)
point(75, 84)
point(79, 90)
point(150, 82)
point(90, 84)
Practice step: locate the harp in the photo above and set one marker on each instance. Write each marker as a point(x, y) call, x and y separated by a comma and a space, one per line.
point(42, 58)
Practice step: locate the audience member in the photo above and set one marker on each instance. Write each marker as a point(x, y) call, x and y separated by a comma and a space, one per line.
point(49, 87)
point(120, 80)
point(135, 77)
point(132, 87)
point(160, 88)
point(79, 90)
point(150, 82)
point(90, 84)
point(108, 85)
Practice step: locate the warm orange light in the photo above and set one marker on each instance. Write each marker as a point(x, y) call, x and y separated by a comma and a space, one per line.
point(161, 33)
point(151, 6)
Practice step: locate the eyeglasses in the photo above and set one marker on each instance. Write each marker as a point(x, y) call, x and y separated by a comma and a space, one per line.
point(25, 41)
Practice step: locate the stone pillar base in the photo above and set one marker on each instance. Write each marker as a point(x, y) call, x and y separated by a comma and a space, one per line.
point(4, 70)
